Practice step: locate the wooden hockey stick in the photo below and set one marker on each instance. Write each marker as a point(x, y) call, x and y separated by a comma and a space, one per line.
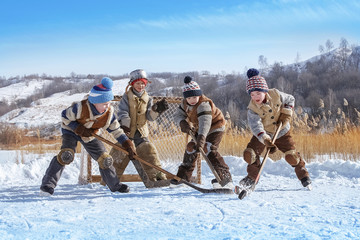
point(244, 192)
point(267, 153)
point(221, 182)
point(203, 190)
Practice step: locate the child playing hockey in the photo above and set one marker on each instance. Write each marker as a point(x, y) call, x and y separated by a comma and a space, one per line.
point(135, 109)
point(208, 125)
point(79, 122)
point(266, 109)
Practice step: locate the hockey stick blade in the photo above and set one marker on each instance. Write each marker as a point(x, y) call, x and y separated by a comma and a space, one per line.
point(208, 190)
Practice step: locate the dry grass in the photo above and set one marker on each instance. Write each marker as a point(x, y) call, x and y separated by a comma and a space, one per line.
point(339, 144)
point(343, 145)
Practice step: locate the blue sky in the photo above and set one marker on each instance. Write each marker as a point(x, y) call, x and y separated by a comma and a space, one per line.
point(116, 37)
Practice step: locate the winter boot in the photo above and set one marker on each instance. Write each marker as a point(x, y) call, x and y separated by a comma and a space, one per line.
point(216, 184)
point(124, 188)
point(46, 191)
point(175, 183)
point(306, 182)
point(246, 182)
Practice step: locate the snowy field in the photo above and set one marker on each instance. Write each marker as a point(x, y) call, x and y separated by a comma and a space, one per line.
point(279, 208)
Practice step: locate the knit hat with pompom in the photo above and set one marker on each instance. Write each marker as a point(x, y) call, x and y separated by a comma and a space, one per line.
point(252, 72)
point(191, 88)
point(103, 92)
point(255, 82)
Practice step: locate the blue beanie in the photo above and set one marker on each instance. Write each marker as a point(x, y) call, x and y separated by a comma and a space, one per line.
point(102, 93)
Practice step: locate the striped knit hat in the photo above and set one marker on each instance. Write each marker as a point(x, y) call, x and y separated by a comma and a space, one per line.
point(256, 83)
point(191, 88)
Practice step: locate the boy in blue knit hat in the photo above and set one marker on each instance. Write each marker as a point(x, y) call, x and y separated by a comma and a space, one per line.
point(79, 122)
point(266, 109)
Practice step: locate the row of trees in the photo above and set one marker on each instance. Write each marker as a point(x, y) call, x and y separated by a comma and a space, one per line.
point(327, 79)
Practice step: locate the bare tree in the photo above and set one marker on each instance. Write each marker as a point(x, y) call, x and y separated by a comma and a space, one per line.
point(343, 54)
point(355, 57)
point(329, 46)
point(263, 63)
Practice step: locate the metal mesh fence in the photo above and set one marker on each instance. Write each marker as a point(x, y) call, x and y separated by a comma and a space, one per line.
point(167, 137)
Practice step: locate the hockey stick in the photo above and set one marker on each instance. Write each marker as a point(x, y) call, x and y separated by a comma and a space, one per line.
point(243, 193)
point(203, 190)
point(221, 182)
point(267, 153)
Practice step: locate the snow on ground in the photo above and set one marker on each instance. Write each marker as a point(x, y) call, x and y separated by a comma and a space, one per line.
point(279, 208)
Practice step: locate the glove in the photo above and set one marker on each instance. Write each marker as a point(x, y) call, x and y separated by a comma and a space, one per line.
point(130, 148)
point(200, 142)
point(83, 131)
point(161, 106)
point(269, 144)
point(284, 118)
point(185, 127)
point(126, 130)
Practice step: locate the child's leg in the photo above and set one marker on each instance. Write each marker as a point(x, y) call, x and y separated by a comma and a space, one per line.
point(97, 151)
point(189, 161)
point(57, 164)
point(252, 157)
point(287, 145)
point(148, 152)
point(212, 143)
point(121, 160)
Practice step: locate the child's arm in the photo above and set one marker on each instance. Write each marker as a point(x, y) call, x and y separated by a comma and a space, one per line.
point(287, 107)
point(116, 131)
point(256, 125)
point(124, 112)
point(151, 115)
point(204, 114)
point(180, 114)
point(68, 116)
point(288, 101)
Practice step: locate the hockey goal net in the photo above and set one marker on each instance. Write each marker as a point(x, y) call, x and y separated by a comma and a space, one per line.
point(168, 139)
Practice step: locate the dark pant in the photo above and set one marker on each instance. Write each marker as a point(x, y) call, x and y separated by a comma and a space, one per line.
point(286, 145)
point(95, 148)
point(217, 161)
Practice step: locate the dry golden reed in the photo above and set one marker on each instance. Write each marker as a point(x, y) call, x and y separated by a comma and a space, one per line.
point(312, 146)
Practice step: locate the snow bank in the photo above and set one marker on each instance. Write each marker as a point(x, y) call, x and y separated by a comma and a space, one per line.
point(33, 166)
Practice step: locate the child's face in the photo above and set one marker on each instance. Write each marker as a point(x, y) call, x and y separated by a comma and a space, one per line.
point(192, 100)
point(139, 86)
point(102, 107)
point(258, 97)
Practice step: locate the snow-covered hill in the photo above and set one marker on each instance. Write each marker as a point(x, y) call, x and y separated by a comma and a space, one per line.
point(279, 208)
point(45, 111)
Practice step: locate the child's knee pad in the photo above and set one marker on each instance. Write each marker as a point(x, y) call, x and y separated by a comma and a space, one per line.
point(249, 156)
point(65, 156)
point(292, 157)
point(105, 161)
